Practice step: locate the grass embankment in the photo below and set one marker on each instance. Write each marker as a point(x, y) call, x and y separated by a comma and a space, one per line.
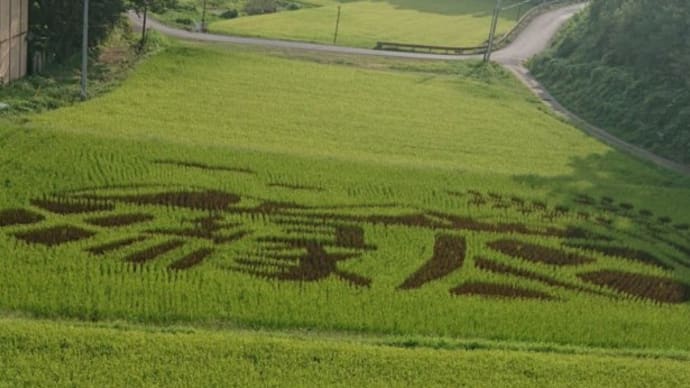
point(40, 353)
point(622, 65)
point(370, 196)
point(59, 85)
point(363, 23)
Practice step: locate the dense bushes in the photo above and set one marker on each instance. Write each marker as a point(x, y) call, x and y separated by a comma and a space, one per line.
point(623, 64)
point(257, 7)
point(56, 25)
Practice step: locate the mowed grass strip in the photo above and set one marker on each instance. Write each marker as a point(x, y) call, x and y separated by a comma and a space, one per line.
point(42, 353)
point(363, 23)
point(474, 119)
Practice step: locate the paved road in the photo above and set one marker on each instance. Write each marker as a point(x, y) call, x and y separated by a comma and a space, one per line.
point(533, 40)
point(536, 37)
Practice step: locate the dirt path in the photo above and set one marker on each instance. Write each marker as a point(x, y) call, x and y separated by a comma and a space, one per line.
point(533, 40)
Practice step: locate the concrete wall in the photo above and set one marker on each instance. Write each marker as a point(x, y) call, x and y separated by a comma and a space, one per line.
point(14, 25)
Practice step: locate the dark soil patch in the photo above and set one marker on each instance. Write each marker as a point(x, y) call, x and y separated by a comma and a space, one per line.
point(350, 237)
point(314, 265)
point(207, 228)
point(120, 220)
point(664, 220)
point(538, 254)
point(190, 260)
point(204, 166)
point(499, 290)
point(10, 217)
point(654, 288)
point(65, 206)
point(626, 253)
point(154, 251)
point(584, 199)
point(499, 268)
point(627, 206)
point(646, 213)
point(55, 235)
point(199, 200)
point(449, 255)
point(295, 187)
point(115, 245)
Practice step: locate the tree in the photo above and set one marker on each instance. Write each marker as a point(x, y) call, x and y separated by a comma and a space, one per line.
point(624, 65)
point(143, 6)
point(56, 25)
point(257, 7)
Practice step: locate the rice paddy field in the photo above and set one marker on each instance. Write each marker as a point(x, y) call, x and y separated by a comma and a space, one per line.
point(395, 220)
point(363, 23)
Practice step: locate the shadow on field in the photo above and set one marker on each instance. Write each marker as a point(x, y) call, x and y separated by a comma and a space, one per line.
point(617, 175)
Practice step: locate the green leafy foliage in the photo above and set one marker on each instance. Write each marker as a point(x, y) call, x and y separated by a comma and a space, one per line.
point(56, 25)
point(623, 65)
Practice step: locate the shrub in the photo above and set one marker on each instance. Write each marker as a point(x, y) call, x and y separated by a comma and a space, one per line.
point(184, 21)
point(229, 14)
point(258, 7)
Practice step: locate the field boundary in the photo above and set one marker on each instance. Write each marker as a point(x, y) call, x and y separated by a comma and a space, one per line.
point(371, 339)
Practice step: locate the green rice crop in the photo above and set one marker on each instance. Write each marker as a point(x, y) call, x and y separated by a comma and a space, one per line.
point(363, 23)
point(294, 154)
point(43, 353)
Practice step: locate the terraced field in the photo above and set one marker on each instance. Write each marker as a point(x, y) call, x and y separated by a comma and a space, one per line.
point(363, 23)
point(224, 186)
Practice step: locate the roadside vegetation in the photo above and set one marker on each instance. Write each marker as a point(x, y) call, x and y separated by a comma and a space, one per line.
point(623, 66)
point(110, 63)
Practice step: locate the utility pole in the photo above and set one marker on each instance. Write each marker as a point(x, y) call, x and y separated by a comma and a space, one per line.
point(203, 18)
point(337, 26)
point(492, 32)
point(143, 25)
point(85, 51)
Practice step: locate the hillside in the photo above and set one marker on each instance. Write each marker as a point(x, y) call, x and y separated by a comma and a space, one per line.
point(253, 216)
point(623, 65)
point(277, 192)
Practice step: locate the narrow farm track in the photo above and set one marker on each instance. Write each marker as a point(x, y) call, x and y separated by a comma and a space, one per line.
point(533, 40)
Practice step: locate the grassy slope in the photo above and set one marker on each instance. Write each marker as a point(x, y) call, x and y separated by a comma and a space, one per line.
point(360, 134)
point(363, 23)
point(270, 104)
point(35, 353)
point(585, 72)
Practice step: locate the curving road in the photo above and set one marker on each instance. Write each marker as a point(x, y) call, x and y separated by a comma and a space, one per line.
point(532, 40)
